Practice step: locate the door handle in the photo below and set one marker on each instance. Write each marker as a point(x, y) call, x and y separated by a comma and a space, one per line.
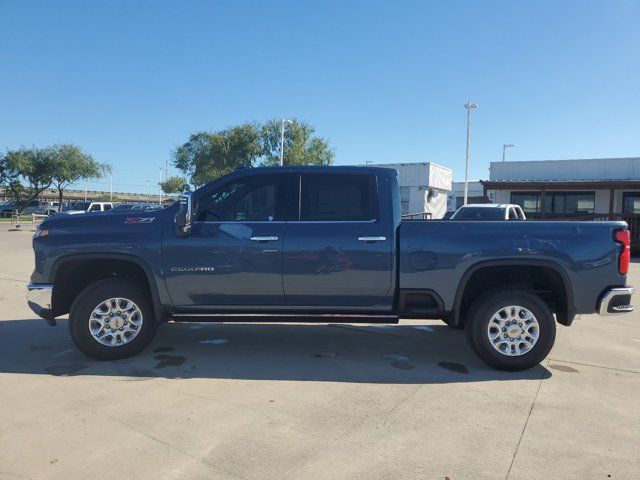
point(264, 239)
point(372, 239)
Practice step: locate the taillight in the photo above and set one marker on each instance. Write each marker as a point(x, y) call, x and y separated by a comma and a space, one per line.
point(624, 238)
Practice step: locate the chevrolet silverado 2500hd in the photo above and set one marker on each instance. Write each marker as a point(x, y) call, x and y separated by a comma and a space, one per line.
point(323, 244)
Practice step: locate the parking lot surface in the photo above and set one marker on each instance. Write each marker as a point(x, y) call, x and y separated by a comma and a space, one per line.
point(303, 401)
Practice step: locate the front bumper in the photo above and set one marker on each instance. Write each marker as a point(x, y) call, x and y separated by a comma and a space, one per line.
point(616, 300)
point(39, 300)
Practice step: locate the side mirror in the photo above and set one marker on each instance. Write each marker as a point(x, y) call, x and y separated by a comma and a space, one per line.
point(182, 219)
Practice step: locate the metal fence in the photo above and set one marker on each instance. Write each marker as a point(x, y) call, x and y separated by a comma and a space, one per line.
point(417, 216)
point(30, 220)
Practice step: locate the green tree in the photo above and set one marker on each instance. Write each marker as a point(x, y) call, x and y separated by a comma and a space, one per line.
point(33, 166)
point(9, 179)
point(209, 155)
point(71, 165)
point(301, 147)
point(174, 185)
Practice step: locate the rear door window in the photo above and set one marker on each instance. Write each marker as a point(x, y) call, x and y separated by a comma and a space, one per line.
point(338, 197)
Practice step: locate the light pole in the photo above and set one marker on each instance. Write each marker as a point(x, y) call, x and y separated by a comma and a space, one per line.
point(504, 149)
point(110, 167)
point(284, 120)
point(469, 105)
point(160, 185)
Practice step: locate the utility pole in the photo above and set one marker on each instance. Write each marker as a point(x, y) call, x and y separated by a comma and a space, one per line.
point(160, 185)
point(284, 120)
point(469, 105)
point(85, 191)
point(110, 183)
point(504, 149)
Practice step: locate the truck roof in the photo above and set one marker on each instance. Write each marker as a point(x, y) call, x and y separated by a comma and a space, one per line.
point(489, 205)
point(318, 168)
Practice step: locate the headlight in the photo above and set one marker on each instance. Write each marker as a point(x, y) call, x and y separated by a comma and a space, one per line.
point(40, 232)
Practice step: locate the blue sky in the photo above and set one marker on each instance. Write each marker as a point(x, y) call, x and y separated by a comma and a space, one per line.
point(382, 81)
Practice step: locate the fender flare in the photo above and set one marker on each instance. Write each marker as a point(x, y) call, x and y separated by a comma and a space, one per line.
point(558, 268)
point(158, 307)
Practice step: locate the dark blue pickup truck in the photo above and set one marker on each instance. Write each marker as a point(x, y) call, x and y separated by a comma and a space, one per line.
point(323, 244)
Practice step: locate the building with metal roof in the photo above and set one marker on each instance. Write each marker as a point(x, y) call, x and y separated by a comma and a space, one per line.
point(568, 187)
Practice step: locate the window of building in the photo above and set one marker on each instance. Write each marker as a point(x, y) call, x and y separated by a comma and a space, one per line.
point(338, 197)
point(570, 202)
point(529, 201)
point(631, 202)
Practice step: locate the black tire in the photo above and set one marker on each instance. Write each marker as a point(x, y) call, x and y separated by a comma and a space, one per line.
point(90, 298)
point(477, 327)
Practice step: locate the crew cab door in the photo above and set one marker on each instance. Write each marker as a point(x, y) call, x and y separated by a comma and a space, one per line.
point(233, 257)
point(339, 251)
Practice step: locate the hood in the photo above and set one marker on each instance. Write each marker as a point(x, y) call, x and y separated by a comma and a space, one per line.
point(98, 220)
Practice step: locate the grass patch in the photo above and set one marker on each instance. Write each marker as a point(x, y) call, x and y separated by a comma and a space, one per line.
point(26, 218)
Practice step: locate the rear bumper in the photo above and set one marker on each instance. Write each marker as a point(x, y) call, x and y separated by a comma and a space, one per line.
point(39, 300)
point(616, 300)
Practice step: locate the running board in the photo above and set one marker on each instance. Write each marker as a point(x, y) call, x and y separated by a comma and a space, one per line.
point(285, 317)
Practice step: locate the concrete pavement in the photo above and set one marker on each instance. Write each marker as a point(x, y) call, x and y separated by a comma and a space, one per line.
point(298, 401)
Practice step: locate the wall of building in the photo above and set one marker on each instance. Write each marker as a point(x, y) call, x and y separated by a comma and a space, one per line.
point(436, 203)
point(568, 170)
point(428, 185)
point(598, 171)
point(475, 194)
point(500, 196)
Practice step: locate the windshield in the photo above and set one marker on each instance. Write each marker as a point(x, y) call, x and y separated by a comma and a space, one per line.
point(480, 213)
point(79, 206)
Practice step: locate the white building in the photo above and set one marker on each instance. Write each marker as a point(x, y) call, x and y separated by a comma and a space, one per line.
point(475, 194)
point(565, 188)
point(423, 188)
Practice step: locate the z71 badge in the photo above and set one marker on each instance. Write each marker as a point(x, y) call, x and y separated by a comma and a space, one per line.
point(139, 220)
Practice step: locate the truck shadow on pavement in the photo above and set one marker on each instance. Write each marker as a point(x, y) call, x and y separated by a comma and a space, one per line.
point(400, 354)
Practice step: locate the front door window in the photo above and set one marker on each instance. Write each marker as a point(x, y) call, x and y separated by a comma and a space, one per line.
point(252, 199)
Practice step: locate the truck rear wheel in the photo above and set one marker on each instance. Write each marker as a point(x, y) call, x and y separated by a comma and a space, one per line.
point(111, 319)
point(511, 330)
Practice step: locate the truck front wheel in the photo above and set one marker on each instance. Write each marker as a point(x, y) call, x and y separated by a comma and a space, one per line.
point(511, 330)
point(111, 319)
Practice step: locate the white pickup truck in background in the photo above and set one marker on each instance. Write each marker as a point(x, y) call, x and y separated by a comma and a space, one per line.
point(83, 207)
point(489, 212)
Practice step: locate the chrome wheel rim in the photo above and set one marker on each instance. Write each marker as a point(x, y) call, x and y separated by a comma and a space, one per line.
point(115, 322)
point(513, 330)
